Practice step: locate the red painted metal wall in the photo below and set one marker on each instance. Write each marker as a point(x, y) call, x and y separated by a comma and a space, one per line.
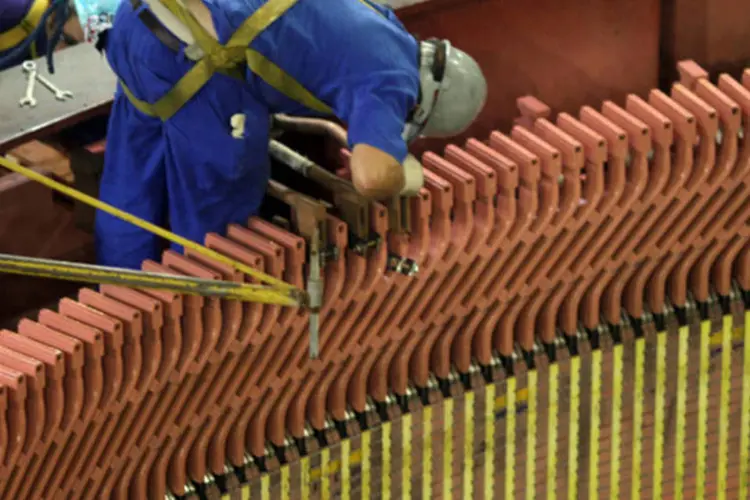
point(565, 52)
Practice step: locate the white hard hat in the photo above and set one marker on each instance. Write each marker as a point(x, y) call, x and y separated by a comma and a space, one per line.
point(453, 92)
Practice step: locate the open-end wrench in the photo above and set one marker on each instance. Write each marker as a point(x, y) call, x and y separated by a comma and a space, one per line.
point(60, 95)
point(28, 99)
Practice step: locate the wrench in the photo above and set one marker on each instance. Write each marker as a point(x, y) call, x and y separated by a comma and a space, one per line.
point(30, 70)
point(60, 95)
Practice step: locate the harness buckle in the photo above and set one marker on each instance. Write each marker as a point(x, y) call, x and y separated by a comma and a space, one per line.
point(226, 57)
point(194, 52)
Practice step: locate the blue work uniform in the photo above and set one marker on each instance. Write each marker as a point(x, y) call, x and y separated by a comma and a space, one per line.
point(188, 171)
point(18, 19)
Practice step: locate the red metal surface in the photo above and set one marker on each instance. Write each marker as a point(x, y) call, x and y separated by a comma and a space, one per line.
point(567, 53)
point(28, 210)
point(565, 220)
point(714, 33)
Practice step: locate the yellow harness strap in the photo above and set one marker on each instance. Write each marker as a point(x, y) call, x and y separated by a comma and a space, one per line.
point(14, 36)
point(218, 57)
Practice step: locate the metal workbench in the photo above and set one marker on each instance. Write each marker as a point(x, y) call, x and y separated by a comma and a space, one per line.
point(80, 69)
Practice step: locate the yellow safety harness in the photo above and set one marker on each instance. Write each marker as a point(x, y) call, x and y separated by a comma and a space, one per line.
point(14, 36)
point(230, 59)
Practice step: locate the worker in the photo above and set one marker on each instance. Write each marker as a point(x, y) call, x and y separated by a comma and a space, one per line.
point(200, 80)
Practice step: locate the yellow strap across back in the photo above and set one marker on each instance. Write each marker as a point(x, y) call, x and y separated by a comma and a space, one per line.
point(218, 57)
point(14, 36)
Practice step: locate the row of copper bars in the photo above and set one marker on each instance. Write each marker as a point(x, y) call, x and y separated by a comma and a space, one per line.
point(560, 225)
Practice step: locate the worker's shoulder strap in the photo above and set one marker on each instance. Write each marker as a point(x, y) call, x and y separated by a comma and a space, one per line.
point(225, 57)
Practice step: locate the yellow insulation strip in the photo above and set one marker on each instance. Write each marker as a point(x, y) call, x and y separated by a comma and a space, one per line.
point(406, 423)
point(661, 382)
point(286, 485)
point(726, 380)
point(531, 416)
point(573, 422)
point(386, 454)
point(745, 425)
point(304, 477)
point(346, 473)
point(510, 438)
point(265, 487)
point(554, 371)
point(426, 454)
point(638, 382)
point(145, 225)
point(703, 367)
point(325, 478)
point(681, 406)
point(614, 471)
point(596, 408)
point(489, 441)
point(89, 273)
point(366, 465)
point(448, 448)
point(468, 466)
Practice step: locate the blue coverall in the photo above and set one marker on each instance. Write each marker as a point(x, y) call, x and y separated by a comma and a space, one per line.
point(188, 172)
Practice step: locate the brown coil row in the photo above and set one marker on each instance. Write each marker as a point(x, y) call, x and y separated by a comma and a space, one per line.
point(555, 226)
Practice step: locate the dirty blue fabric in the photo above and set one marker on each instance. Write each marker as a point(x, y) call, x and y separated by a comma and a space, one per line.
point(12, 12)
point(189, 173)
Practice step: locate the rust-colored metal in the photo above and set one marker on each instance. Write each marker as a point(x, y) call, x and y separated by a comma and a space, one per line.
point(20, 199)
point(564, 52)
point(566, 221)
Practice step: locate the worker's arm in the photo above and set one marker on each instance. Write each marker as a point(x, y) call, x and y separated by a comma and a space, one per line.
point(380, 164)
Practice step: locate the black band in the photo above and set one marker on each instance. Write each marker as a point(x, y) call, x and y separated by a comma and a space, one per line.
point(154, 26)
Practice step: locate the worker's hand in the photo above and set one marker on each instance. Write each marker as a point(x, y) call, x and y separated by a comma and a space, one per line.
point(375, 174)
point(379, 176)
point(413, 176)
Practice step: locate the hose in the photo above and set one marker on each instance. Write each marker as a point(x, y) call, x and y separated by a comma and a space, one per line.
point(317, 126)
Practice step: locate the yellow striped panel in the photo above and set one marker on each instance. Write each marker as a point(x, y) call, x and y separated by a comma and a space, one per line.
point(745, 425)
point(427, 454)
point(510, 438)
point(325, 477)
point(265, 487)
point(614, 472)
point(447, 448)
point(726, 376)
point(554, 371)
point(304, 477)
point(489, 441)
point(406, 423)
point(531, 416)
point(681, 406)
point(638, 383)
point(661, 382)
point(245, 492)
point(286, 485)
point(386, 454)
point(703, 366)
point(346, 473)
point(596, 409)
point(366, 465)
point(573, 422)
point(468, 466)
